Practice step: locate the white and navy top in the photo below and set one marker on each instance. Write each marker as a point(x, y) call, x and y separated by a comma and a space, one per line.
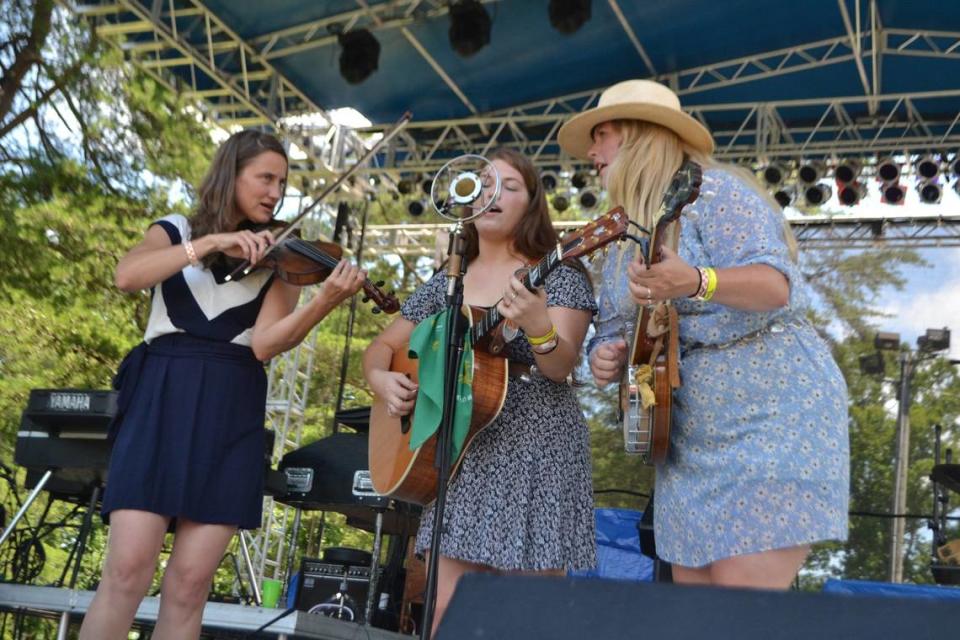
point(198, 301)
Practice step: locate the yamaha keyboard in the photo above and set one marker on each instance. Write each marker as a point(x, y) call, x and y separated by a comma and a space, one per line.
point(65, 430)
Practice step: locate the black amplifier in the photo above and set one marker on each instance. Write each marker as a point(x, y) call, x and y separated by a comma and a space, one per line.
point(335, 587)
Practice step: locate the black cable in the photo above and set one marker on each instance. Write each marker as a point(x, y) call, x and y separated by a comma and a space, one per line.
point(269, 622)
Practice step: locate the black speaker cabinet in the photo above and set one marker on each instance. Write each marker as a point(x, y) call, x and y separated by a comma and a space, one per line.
point(321, 582)
point(530, 608)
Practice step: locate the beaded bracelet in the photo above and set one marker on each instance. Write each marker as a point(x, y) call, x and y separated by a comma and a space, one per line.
point(550, 335)
point(191, 253)
point(708, 284)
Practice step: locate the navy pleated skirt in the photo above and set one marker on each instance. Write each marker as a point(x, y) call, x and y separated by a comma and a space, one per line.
point(189, 437)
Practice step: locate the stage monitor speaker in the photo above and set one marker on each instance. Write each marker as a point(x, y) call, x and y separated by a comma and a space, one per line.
point(530, 608)
point(321, 589)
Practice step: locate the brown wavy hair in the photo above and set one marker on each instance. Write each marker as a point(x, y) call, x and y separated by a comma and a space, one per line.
point(534, 236)
point(216, 210)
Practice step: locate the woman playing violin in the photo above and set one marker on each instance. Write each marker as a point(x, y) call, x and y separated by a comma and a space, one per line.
point(522, 500)
point(189, 438)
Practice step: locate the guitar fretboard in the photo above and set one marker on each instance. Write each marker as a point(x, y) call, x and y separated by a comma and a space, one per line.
point(535, 277)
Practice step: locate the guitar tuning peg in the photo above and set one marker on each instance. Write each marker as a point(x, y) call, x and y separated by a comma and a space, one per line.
point(365, 299)
point(376, 310)
point(380, 283)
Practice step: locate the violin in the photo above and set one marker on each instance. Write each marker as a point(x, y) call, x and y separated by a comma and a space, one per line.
point(303, 262)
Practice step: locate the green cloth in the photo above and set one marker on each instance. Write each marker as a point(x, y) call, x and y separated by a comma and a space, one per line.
point(428, 344)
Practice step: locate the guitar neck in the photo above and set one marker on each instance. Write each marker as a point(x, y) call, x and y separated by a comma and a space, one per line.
point(534, 277)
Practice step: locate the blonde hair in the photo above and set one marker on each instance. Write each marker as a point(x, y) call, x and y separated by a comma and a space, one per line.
point(648, 158)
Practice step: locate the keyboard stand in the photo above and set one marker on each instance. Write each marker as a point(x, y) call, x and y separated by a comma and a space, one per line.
point(26, 505)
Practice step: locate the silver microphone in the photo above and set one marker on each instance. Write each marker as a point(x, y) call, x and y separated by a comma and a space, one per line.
point(465, 187)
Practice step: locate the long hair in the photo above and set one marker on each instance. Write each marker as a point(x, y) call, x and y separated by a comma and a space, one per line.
point(649, 157)
point(534, 235)
point(216, 210)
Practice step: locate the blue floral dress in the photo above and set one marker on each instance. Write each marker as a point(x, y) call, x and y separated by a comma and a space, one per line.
point(759, 451)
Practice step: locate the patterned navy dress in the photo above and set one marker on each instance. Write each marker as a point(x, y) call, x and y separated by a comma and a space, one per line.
point(759, 452)
point(523, 497)
point(189, 437)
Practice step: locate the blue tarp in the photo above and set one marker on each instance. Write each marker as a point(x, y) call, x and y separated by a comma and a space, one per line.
point(618, 548)
point(867, 588)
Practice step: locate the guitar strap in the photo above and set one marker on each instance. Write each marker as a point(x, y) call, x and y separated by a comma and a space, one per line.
point(673, 350)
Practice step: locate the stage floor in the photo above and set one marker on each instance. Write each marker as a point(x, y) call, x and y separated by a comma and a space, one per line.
point(216, 615)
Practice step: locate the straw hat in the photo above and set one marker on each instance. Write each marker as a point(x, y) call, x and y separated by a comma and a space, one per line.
point(634, 100)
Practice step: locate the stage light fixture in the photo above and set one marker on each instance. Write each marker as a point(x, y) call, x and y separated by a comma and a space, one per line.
point(955, 165)
point(886, 341)
point(851, 193)
point(893, 193)
point(359, 55)
point(588, 199)
point(416, 208)
point(927, 167)
point(579, 180)
point(812, 172)
point(817, 194)
point(405, 187)
point(930, 191)
point(774, 174)
point(785, 196)
point(550, 180)
point(567, 16)
point(426, 185)
point(848, 170)
point(469, 27)
point(934, 340)
point(888, 170)
point(561, 203)
point(872, 364)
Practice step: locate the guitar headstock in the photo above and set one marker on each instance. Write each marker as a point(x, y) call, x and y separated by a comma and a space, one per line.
point(610, 227)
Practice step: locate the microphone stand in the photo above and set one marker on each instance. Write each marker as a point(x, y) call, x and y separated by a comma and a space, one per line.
point(457, 326)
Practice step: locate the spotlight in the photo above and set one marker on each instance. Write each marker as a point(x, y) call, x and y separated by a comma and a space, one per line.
point(812, 172)
point(358, 55)
point(405, 187)
point(416, 208)
point(567, 16)
point(426, 185)
point(930, 191)
point(579, 180)
point(785, 196)
point(872, 364)
point(851, 193)
point(550, 180)
point(934, 340)
point(886, 341)
point(560, 203)
point(893, 193)
point(774, 174)
point(469, 27)
point(888, 170)
point(588, 199)
point(817, 194)
point(848, 170)
point(928, 167)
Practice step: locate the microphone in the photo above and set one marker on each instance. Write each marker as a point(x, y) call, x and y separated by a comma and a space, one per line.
point(465, 188)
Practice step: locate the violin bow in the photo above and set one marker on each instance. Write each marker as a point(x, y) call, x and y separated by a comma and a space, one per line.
point(245, 267)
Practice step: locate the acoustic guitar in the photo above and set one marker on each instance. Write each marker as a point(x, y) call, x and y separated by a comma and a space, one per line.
point(653, 363)
point(410, 475)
